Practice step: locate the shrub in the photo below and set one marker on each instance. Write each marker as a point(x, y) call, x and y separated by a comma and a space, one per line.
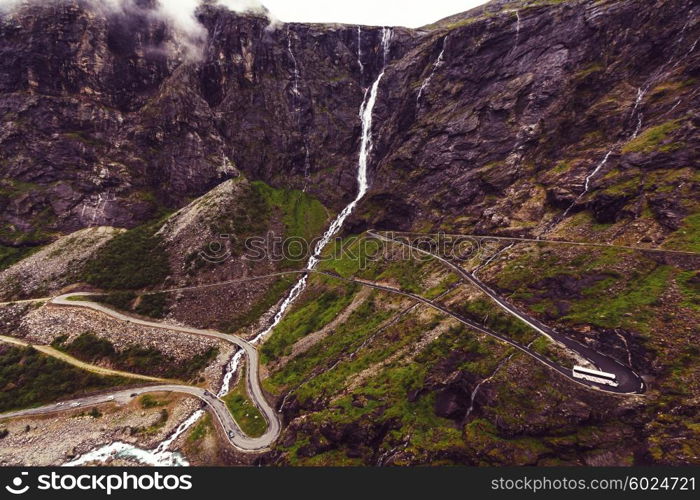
point(132, 260)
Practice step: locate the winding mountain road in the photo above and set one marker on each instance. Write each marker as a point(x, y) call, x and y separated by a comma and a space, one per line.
point(235, 435)
point(218, 408)
point(629, 381)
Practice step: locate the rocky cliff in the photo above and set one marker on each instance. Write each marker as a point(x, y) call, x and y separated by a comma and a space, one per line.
point(109, 116)
point(543, 119)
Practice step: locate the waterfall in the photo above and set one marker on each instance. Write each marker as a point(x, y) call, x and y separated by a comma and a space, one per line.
point(295, 88)
point(641, 92)
point(517, 30)
point(297, 95)
point(438, 63)
point(366, 111)
point(359, 51)
point(595, 171)
point(586, 185)
point(160, 457)
point(307, 165)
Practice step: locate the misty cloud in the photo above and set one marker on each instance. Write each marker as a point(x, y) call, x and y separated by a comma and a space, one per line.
point(180, 15)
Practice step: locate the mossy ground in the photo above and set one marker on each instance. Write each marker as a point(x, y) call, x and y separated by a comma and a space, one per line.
point(244, 412)
point(29, 378)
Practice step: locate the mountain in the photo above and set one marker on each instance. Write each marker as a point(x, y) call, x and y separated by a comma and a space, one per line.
point(534, 120)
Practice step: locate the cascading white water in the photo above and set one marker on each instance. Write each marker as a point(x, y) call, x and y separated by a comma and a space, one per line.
point(307, 165)
point(160, 457)
point(641, 92)
point(586, 185)
point(295, 87)
point(436, 66)
point(297, 93)
point(359, 50)
point(366, 111)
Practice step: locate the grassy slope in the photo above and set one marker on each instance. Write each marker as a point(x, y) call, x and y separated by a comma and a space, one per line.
point(147, 361)
point(29, 378)
point(245, 413)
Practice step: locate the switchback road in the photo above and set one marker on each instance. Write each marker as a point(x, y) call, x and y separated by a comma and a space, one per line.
point(629, 381)
point(237, 437)
point(217, 407)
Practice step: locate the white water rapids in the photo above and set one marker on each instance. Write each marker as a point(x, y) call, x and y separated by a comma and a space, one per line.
point(161, 456)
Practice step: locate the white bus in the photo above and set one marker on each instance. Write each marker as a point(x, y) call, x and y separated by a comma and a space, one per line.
point(595, 376)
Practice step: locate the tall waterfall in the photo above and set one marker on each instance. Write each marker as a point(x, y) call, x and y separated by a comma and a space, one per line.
point(366, 111)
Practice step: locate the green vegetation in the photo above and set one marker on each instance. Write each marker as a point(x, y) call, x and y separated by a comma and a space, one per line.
point(689, 283)
point(450, 280)
point(163, 417)
point(245, 413)
point(687, 237)
point(131, 260)
point(90, 348)
point(546, 348)
point(595, 67)
point(352, 256)
point(369, 258)
point(619, 289)
point(346, 338)
point(484, 311)
point(28, 378)
point(153, 305)
point(201, 429)
point(668, 89)
point(310, 317)
point(407, 273)
point(628, 308)
point(247, 215)
point(149, 401)
point(118, 300)
point(654, 139)
point(562, 166)
point(12, 255)
point(624, 187)
point(398, 396)
point(270, 298)
point(303, 215)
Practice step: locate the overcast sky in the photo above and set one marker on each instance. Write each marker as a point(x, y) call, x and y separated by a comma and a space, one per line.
point(411, 13)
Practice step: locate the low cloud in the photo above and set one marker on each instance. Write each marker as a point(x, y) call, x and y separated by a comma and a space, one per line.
point(179, 14)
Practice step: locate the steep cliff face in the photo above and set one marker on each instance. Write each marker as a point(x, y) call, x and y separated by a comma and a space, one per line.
point(108, 116)
point(499, 121)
